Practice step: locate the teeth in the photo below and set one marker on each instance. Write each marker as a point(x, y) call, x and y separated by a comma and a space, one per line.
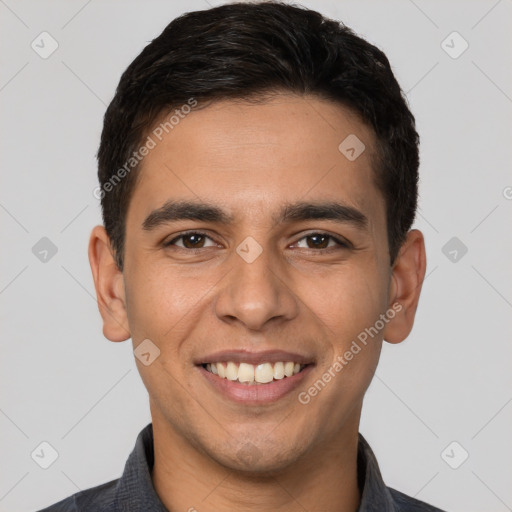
point(246, 372)
point(263, 373)
point(278, 371)
point(250, 374)
point(231, 371)
point(288, 369)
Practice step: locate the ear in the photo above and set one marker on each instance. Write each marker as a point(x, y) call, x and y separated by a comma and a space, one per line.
point(109, 284)
point(407, 277)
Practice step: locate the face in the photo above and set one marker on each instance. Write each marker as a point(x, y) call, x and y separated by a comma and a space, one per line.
point(256, 255)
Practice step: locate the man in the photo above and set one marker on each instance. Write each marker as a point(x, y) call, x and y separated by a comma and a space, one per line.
point(258, 178)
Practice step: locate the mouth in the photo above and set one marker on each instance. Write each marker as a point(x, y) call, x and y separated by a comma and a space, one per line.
point(254, 378)
point(250, 374)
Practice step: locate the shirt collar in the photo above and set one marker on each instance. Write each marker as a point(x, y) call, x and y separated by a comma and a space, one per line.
point(375, 496)
point(135, 491)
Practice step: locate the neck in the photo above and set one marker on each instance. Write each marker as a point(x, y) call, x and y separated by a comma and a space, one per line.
point(187, 479)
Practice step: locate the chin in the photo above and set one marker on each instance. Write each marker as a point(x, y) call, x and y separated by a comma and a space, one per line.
point(258, 461)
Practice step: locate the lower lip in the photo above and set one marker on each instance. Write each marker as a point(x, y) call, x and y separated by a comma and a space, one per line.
point(256, 393)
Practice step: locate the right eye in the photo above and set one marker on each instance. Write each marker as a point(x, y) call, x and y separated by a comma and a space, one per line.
point(190, 240)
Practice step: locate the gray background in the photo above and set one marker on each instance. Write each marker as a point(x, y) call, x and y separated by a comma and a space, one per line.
point(63, 383)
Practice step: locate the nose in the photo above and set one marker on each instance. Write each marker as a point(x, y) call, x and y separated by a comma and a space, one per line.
point(256, 293)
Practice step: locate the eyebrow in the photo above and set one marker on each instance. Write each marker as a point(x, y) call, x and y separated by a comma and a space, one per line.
point(173, 211)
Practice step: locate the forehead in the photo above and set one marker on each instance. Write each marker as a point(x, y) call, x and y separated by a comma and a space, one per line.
point(250, 157)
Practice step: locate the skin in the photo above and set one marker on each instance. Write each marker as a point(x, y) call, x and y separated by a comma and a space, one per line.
point(251, 159)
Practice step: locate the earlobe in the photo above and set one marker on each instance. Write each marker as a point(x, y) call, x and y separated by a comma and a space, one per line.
point(109, 285)
point(407, 278)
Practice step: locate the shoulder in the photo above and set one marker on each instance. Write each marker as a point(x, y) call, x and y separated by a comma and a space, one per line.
point(98, 499)
point(404, 503)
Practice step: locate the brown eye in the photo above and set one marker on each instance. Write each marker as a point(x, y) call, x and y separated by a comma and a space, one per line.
point(321, 241)
point(318, 241)
point(191, 240)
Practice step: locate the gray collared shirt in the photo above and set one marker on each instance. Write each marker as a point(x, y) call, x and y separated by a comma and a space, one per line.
point(134, 491)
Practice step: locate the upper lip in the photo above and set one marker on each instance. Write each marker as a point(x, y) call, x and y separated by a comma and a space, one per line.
point(255, 358)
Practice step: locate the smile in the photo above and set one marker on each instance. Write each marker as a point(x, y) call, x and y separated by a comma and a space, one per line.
point(250, 374)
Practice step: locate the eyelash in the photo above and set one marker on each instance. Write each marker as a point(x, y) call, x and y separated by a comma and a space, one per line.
point(341, 243)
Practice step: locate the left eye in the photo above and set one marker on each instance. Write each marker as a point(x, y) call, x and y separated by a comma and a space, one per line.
point(320, 241)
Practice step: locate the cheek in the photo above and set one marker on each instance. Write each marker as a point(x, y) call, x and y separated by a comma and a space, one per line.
point(347, 302)
point(163, 302)
point(163, 307)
